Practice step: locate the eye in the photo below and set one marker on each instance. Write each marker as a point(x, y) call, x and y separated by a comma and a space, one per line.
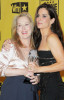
point(27, 24)
point(44, 16)
point(19, 25)
point(37, 15)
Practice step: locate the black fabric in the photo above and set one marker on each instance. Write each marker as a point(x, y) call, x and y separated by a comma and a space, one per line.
point(51, 85)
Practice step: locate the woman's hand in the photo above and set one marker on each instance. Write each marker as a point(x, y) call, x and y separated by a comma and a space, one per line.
point(7, 45)
point(28, 73)
point(33, 67)
point(35, 79)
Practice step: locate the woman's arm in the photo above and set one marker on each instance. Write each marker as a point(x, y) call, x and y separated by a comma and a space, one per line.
point(58, 53)
point(16, 72)
point(5, 70)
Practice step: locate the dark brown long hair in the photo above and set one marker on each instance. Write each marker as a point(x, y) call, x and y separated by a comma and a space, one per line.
point(55, 27)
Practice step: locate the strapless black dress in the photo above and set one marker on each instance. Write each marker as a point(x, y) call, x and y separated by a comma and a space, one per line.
point(51, 85)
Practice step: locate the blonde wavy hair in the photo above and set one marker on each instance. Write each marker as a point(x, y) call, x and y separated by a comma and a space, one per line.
point(15, 36)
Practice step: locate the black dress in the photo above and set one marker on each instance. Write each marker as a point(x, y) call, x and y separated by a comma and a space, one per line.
point(51, 85)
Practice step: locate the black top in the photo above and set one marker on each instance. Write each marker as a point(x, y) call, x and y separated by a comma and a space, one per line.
point(46, 58)
point(49, 81)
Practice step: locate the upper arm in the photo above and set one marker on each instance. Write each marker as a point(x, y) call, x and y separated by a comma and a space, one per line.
point(56, 47)
point(5, 57)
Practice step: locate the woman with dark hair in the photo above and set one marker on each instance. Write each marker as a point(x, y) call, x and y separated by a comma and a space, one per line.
point(55, 27)
point(47, 38)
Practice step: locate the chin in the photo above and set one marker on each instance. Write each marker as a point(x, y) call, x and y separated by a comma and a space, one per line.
point(39, 27)
point(26, 37)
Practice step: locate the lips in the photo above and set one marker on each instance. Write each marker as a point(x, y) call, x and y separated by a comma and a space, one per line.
point(39, 23)
point(24, 32)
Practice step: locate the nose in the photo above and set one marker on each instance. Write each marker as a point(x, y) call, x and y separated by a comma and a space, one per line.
point(23, 27)
point(39, 18)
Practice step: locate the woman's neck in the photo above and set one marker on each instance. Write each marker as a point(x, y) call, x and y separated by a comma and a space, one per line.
point(26, 43)
point(45, 32)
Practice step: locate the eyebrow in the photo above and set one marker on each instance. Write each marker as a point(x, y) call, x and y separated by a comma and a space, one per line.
point(44, 14)
point(26, 22)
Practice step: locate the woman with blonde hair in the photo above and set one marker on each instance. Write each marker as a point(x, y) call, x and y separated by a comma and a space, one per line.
point(14, 63)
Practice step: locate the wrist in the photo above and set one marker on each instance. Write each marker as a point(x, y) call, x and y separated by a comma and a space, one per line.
point(37, 70)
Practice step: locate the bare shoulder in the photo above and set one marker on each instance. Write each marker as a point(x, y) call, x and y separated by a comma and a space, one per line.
point(53, 38)
point(54, 42)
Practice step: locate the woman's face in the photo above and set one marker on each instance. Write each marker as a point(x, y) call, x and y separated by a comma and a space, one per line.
point(24, 27)
point(43, 19)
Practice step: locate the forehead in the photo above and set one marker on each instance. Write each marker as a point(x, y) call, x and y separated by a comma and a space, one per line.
point(23, 19)
point(43, 11)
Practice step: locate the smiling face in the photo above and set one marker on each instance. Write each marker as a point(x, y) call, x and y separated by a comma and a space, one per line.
point(24, 27)
point(43, 19)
